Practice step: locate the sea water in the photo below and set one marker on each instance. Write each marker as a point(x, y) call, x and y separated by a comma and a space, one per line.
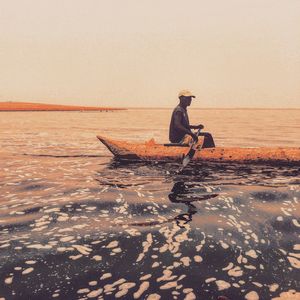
point(76, 224)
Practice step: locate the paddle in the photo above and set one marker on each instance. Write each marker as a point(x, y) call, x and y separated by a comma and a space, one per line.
point(189, 156)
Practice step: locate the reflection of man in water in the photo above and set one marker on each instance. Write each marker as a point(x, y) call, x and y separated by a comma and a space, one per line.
point(180, 128)
point(182, 193)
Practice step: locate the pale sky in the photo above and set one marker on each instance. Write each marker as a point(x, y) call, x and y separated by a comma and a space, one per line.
point(132, 53)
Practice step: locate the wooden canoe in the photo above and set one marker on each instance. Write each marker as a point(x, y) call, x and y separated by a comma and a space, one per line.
point(158, 152)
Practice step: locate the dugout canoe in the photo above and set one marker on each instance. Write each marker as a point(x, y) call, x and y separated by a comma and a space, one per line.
point(164, 152)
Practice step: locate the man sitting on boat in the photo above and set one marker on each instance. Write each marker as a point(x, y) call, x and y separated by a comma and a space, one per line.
point(180, 128)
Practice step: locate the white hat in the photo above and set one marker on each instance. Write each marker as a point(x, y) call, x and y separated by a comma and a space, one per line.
point(186, 93)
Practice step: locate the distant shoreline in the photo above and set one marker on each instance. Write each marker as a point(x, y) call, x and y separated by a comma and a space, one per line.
point(30, 107)
point(213, 108)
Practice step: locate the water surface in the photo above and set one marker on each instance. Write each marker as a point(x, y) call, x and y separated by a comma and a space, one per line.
point(75, 224)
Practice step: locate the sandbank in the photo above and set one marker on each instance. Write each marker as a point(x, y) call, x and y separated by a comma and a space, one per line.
point(28, 106)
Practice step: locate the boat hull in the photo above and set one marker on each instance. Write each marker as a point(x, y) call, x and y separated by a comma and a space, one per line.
point(158, 152)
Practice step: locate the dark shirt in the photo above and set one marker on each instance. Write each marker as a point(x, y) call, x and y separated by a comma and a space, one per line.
point(176, 134)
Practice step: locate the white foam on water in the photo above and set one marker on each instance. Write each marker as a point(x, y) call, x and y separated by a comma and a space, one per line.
point(288, 295)
point(153, 297)
point(190, 296)
point(155, 265)
point(224, 245)
point(235, 272)
point(273, 287)
point(75, 257)
point(211, 279)
point(258, 284)
point(250, 267)
point(186, 261)
point(30, 262)
point(198, 258)
point(95, 293)
point(105, 276)
point(296, 247)
point(67, 238)
point(251, 253)
point(169, 285)
point(222, 285)
point(167, 276)
point(97, 257)
point(145, 277)
point(142, 288)
point(82, 249)
point(8, 280)
point(229, 266)
point(124, 288)
point(252, 296)
point(27, 271)
point(295, 263)
point(39, 246)
point(295, 222)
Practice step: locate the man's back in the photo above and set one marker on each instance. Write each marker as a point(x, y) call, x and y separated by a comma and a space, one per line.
point(175, 133)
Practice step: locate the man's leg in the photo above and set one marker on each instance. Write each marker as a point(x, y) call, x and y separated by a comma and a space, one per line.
point(187, 139)
point(208, 140)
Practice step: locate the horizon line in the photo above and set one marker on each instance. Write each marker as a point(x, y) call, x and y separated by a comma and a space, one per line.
point(162, 107)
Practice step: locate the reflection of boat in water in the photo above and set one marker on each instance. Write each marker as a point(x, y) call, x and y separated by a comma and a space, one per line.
point(181, 193)
point(161, 152)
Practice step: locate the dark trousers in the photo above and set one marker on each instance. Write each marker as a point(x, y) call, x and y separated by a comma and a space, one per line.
point(208, 140)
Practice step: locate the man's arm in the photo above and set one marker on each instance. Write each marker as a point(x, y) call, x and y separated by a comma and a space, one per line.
point(178, 124)
point(197, 126)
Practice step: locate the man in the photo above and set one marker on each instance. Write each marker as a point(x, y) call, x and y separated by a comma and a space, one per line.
point(180, 128)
